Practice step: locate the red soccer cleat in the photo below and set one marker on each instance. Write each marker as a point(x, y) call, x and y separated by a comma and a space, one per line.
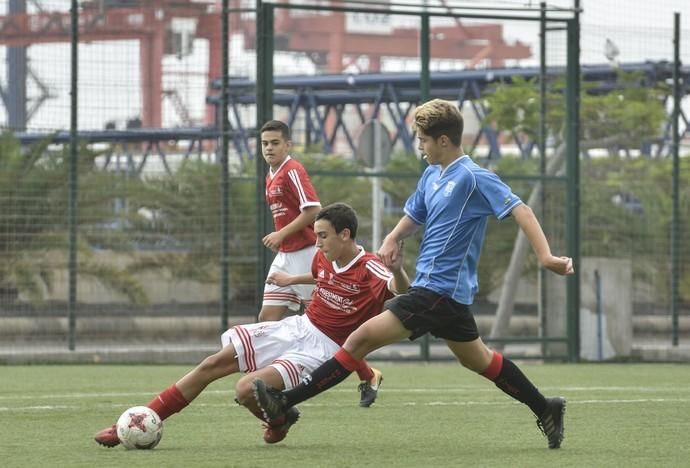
point(108, 437)
point(274, 433)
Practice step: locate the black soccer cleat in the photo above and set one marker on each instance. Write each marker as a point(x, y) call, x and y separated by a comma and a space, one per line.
point(369, 390)
point(270, 400)
point(551, 421)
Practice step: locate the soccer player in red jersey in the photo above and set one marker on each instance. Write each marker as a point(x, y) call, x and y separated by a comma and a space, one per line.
point(294, 204)
point(351, 287)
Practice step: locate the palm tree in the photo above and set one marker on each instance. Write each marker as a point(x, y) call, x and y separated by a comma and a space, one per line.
point(33, 220)
point(180, 213)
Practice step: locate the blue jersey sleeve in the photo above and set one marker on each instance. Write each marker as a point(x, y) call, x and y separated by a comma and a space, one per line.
point(415, 206)
point(498, 195)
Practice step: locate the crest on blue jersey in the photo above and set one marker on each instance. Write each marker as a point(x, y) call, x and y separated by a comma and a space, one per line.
point(449, 188)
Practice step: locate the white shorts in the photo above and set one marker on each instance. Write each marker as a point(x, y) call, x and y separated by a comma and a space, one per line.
point(293, 263)
point(293, 346)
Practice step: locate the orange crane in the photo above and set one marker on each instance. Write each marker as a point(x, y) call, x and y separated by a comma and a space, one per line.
point(329, 41)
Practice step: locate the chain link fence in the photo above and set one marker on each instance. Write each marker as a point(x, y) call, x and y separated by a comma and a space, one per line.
point(149, 226)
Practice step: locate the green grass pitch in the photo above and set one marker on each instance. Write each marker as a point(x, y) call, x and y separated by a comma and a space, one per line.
point(436, 415)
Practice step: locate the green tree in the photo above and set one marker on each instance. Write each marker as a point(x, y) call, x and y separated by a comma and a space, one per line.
point(628, 214)
point(338, 179)
point(622, 118)
point(33, 220)
point(182, 211)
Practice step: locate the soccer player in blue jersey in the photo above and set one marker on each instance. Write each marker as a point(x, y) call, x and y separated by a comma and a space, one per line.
point(453, 201)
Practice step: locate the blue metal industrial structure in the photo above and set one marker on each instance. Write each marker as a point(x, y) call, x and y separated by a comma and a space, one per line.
point(130, 150)
point(322, 100)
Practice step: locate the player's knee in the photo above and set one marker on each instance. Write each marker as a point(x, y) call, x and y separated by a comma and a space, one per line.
point(244, 390)
point(358, 343)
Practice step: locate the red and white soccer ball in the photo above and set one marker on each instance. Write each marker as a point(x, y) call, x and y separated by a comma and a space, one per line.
point(139, 428)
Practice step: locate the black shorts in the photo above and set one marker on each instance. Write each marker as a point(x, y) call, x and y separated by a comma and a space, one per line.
point(421, 310)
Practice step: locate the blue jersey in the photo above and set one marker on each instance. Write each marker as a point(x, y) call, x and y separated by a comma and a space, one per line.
point(455, 205)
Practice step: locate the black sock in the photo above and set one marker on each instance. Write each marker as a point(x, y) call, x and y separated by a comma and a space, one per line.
point(516, 384)
point(327, 375)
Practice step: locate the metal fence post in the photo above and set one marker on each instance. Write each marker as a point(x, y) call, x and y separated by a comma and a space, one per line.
point(73, 192)
point(264, 112)
point(424, 92)
point(675, 222)
point(573, 169)
point(225, 175)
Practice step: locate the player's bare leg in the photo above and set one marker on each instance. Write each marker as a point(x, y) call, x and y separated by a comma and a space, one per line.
point(212, 368)
point(244, 392)
point(277, 429)
point(176, 397)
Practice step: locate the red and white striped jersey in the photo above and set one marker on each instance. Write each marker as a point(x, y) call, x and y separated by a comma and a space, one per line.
point(288, 192)
point(344, 298)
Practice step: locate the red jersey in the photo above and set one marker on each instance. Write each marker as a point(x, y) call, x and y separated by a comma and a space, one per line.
point(288, 192)
point(344, 298)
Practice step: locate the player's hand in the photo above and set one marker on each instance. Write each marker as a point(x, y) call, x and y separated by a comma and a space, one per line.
point(398, 262)
point(279, 278)
point(390, 252)
point(273, 241)
point(559, 265)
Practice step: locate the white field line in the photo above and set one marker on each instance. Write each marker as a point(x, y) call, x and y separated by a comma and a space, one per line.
point(429, 390)
point(338, 389)
point(230, 405)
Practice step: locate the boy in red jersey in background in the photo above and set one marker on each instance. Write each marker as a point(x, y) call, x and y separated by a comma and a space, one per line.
point(294, 204)
point(351, 287)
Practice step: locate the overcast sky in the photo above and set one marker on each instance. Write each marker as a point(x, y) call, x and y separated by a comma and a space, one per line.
point(641, 29)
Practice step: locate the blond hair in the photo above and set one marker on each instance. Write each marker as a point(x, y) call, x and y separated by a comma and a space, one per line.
point(438, 117)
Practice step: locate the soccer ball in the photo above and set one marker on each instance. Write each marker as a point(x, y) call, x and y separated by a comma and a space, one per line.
point(139, 428)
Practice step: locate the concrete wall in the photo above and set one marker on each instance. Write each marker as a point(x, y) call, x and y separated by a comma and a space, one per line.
point(615, 304)
point(160, 288)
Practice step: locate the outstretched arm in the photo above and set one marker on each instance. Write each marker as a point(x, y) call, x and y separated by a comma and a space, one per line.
point(390, 247)
point(529, 224)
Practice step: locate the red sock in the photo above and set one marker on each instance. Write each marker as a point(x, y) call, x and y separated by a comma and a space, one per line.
point(364, 371)
point(495, 366)
point(168, 402)
point(347, 361)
